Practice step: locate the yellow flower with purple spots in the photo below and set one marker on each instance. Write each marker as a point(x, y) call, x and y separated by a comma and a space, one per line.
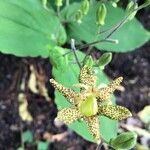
point(90, 102)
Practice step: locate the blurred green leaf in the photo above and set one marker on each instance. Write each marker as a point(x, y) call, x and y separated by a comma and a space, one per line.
point(132, 35)
point(20, 148)
point(141, 147)
point(124, 141)
point(69, 77)
point(27, 29)
point(145, 114)
point(27, 136)
point(57, 59)
point(42, 145)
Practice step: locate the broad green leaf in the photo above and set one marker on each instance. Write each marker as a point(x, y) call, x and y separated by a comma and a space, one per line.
point(132, 35)
point(68, 77)
point(27, 29)
point(27, 136)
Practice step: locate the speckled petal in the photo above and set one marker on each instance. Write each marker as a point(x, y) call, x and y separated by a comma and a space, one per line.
point(86, 77)
point(93, 126)
point(68, 115)
point(105, 93)
point(114, 85)
point(102, 95)
point(69, 94)
point(114, 112)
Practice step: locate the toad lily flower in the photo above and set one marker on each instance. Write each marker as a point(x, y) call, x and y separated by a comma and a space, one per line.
point(90, 102)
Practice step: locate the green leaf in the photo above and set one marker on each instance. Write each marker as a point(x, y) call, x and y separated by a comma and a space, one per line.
point(27, 29)
point(57, 59)
point(124, 141)
point(42, 145)
point(145, 114)
point(104, 60)
point(69, 77)
point(27, 136)
point(132, 35)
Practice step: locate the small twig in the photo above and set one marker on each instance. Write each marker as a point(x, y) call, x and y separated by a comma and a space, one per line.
point(89, 49)
point(58, 11)
point(74, 52)
point(104, 31)
point(106, 38)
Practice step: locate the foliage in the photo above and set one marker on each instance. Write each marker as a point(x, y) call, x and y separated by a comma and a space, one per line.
point(41, 28)
point(126, 140)
point(130, 36)
point(28, 29)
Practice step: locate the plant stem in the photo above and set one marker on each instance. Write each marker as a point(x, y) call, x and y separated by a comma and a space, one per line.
point(89, 49)
point(113, 30)
point(58, 11)
point(106, 39)
point(74, 52)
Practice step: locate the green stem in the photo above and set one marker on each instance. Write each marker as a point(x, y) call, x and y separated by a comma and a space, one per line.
point(58, 11)
point(74, 52)
point(89, 49)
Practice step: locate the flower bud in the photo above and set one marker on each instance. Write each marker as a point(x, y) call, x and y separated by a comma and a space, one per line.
point(125, 141)
point(114, 3)
point(79, 16)
point(89, 106)
point(44, 3)
point(104, 60)
point(130, 10)
point(85, 7)
point(89, 62)
point(58, 3)
point(101, 14)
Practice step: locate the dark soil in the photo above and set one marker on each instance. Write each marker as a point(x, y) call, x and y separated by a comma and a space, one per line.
point(133, 66)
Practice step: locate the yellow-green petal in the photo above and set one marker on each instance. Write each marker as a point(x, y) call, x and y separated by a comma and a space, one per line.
point(93, 126)
point(66, 92)
point(114, 112)
point(88, 107)
point(68, 115)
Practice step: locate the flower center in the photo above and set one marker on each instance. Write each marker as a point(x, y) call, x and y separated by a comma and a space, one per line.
point(89, 106)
